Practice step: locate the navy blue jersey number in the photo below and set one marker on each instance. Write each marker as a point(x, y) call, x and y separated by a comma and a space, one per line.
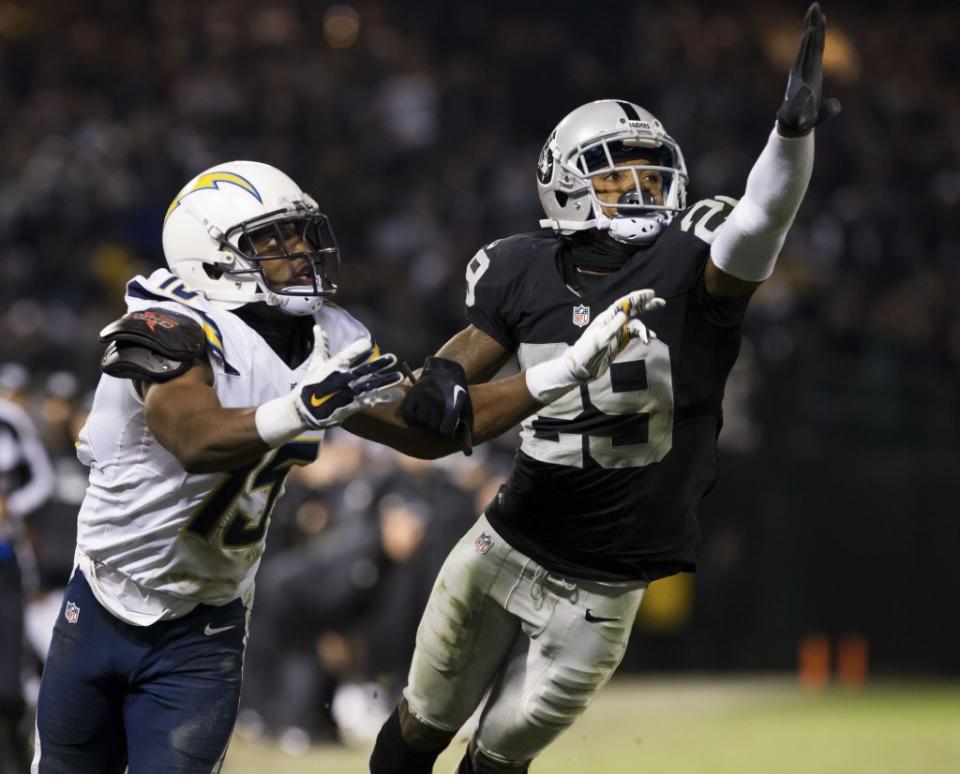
point(234, 507)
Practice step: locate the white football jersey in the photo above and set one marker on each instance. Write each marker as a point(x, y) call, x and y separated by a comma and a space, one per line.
point(153, 540)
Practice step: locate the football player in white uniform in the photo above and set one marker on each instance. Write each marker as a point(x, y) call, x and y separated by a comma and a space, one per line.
point(534, 607)
point(221, 377)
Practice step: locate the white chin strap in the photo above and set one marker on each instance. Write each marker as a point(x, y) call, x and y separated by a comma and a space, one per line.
point(298, 306)
point(633, 229)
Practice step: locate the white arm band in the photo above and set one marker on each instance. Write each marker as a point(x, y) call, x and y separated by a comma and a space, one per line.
point(550, 379)
point(749, 241)
point(278, 421)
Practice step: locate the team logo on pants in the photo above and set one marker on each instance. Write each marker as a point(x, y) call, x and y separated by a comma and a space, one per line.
point(581, 315)
point(483, 543)
point(71, 612)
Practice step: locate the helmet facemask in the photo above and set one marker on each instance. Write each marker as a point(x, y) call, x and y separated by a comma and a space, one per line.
point(312, 273)
point(599, 138)
point(647, 176)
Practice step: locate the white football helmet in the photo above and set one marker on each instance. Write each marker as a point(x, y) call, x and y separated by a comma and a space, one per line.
point(211, 228)
point(588, 143)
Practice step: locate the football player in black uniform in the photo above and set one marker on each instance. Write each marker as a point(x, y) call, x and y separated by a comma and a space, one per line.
point(536, 602)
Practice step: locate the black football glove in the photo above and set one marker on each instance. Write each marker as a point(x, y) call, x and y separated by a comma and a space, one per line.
point(803, 105)
point(440, 401)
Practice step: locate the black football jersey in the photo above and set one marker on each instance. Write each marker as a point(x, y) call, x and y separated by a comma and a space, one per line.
point(607, 478)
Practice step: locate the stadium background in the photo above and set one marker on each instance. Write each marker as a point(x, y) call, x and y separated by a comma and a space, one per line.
point(417, 126)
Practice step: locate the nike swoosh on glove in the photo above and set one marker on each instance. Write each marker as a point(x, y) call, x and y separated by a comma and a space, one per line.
point(803, 105)
point(355, 378)
point(331, 390)
point(440, 401)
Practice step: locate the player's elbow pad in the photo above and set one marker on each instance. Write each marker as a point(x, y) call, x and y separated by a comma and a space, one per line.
point(748, 243)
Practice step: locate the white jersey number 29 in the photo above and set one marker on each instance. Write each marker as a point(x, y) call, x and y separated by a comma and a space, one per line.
point(626, 415)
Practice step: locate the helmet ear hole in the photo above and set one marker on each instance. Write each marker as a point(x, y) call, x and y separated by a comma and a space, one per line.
point(561, 198)
point(212, 271)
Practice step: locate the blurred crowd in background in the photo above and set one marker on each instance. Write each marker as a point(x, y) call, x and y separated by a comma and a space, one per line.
point(417, 127)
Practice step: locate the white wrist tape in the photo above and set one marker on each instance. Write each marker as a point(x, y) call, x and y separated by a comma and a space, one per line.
point(549, 380)
point(278, 421)
point(749, 241)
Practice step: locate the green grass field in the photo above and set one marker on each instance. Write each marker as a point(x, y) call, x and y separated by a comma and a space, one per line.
point(716, 726)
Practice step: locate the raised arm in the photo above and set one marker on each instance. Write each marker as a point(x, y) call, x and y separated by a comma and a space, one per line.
point(746, 246)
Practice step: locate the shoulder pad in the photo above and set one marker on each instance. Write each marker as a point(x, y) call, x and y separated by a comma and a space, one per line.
point(704, 217)
point(154, 344)
point(507, 260)
point(524, 244)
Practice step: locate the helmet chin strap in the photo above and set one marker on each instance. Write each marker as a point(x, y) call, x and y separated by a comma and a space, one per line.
point(567, 225)
point(298, 305)
point(633, 229)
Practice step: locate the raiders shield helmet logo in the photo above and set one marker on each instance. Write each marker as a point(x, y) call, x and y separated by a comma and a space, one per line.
point(581, 315)
point(545, 165)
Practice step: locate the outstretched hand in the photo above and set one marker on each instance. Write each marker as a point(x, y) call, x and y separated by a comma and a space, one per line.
point(355, 378)
point(331, 390)
point(803, 105)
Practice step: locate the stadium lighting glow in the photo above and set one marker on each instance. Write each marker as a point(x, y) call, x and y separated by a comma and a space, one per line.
point(341, 26)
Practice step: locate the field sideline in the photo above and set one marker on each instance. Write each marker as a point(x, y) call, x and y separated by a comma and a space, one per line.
point(717, 726)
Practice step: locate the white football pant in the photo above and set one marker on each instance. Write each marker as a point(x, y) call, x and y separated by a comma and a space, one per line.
point(541, 643)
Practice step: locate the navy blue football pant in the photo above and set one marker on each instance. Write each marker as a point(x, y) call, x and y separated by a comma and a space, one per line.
point(160, 698)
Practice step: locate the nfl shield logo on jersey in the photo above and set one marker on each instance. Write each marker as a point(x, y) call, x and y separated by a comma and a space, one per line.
point(71, 612)
point(581, 315)
point(483, 543)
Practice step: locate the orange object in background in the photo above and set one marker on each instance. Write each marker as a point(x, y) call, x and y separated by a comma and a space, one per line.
point(814, 662)
point(852, 661)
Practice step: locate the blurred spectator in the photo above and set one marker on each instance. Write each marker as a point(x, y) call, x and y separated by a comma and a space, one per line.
point(53, 526)
point(341, 605)
point(25, 482)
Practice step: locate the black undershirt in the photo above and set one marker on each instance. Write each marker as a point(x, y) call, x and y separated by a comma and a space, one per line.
point(291, 337)
point(592, 251)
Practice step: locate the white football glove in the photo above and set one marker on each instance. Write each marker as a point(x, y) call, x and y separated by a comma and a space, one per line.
point(331, 390)
point(590, 355)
